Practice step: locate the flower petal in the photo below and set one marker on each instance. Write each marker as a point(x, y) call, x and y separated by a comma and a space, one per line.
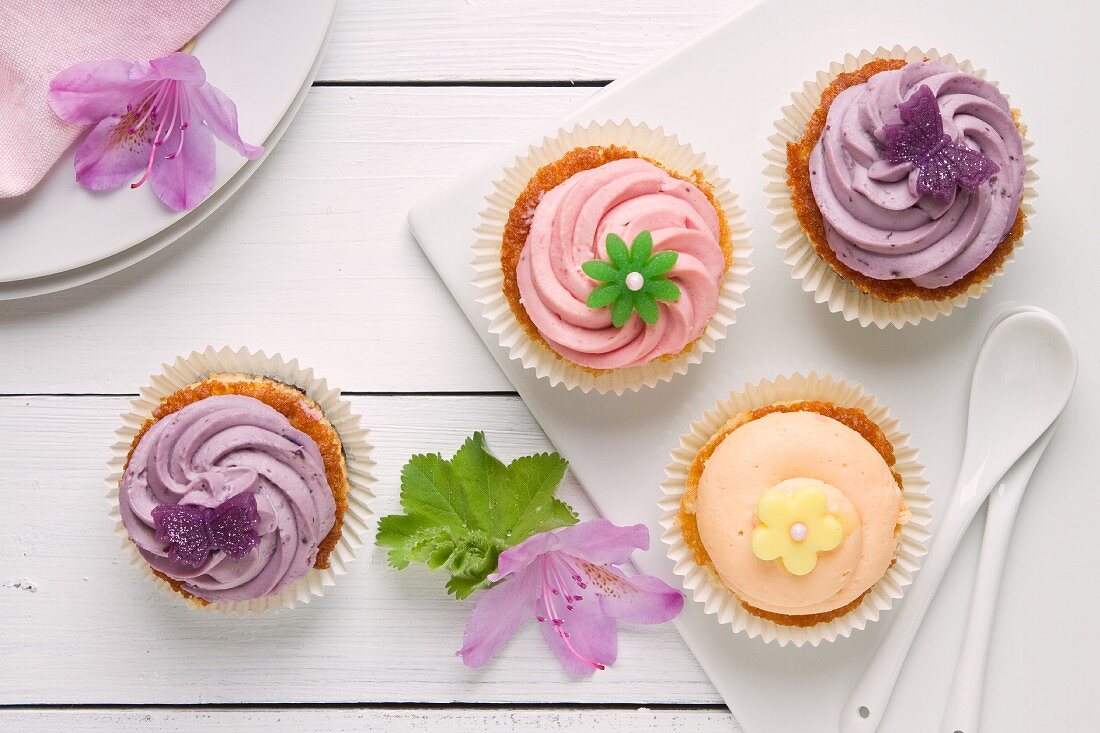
point(497, 614)
point(586, 640)
point(771, 508)
point(109, 157)
point(184, 181)
point(646, 307)
point(660, 263)
point(828, 533)
point(179, 66)
point(602, 271)
point(640, 249)
point(661, 288)
point(603, 295)
point(622, 308)
point(601, 542)
point(642, 599)
point(87, 92)
point(220, 115)
point(519, 557)
point(800, 558)
point(596, 541)
point(617, 252)
point(770, 542)
point(808, 502)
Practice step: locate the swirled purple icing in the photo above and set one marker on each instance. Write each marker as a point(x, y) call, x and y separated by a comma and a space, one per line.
point(210, 451)
point(875, 220)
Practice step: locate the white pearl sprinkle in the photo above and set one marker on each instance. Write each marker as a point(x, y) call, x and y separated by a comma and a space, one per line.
point(635, 281)
point(799, 531)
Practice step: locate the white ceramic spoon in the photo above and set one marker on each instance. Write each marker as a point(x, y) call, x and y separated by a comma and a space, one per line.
point(964, 705)
point(1022, 381)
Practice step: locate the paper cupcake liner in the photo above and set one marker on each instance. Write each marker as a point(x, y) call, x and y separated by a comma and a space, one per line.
point(196, 367)
point(816, 275)
point(489, 279)
point(704, 583)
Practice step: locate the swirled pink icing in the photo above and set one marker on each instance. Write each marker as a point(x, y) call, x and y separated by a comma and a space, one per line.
point(875, 221)
point(210, 451)
point(570, 226)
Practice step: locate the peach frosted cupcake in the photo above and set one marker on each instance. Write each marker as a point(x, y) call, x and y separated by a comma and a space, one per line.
point(795, 510)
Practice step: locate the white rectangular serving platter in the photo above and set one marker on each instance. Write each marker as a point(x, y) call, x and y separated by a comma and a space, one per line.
point(721, 93)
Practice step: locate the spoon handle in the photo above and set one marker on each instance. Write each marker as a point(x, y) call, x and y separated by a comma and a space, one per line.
point(963, 709)
point(866, 705)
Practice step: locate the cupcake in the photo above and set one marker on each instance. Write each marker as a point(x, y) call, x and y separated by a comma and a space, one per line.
point(795, 510)
point(234, 488)
point(613, 261)
point(908, 181)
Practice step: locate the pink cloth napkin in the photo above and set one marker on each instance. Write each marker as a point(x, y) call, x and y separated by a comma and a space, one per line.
point(39, 38)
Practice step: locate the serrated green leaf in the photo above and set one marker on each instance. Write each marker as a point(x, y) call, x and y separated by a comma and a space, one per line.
point(481, 478)
point(659, 264)
point(603, 295)
point(428, 489)
point(461, 586)
point(557, 514)
point(640, 249)
point(616, 250)
point(534, 479)
point(601, 271)
point(622, 308)
point(397, 531)
point(440, 555)
point(462, 513)
point(409, 543)
point(663, 289)
point(646, 307)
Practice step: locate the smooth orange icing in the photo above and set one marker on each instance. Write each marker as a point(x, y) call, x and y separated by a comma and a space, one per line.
point(788, 451)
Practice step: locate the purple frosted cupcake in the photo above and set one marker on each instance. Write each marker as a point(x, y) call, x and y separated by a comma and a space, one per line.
point(909, 182)
point(234, 489)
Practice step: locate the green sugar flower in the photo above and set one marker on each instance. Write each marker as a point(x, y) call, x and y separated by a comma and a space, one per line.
point(633, 280)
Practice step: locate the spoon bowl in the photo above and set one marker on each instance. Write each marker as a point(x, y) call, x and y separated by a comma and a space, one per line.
point(1022, 380)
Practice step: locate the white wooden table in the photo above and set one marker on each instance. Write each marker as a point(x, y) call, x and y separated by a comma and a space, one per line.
point(313, 259)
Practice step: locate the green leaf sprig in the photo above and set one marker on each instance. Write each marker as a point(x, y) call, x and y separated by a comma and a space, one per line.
point(633, 280)
point(462, 513)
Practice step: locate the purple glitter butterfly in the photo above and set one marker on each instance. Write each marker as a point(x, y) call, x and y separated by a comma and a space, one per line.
point(192, 532)
point(942, 163)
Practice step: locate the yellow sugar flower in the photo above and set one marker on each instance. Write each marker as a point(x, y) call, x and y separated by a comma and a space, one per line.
point(795, 527)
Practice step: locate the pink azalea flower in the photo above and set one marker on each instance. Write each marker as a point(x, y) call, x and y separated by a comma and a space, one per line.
point(566, 579)
point(153, 122)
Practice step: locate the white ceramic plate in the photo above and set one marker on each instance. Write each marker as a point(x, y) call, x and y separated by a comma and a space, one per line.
point(721, 93)
point(264, 54)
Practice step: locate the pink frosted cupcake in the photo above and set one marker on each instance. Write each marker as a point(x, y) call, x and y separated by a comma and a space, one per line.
point(611, 261)
point(610, 258)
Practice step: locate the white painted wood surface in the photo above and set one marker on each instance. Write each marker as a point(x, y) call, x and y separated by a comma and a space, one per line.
point(355, 721)
point(313, 259)
point(509, 40)
point(78, 625)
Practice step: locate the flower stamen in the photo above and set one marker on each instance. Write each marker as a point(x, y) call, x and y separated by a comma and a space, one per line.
point(149, 107)
point(171, 108)
point(558, 622)
point(185, 105)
